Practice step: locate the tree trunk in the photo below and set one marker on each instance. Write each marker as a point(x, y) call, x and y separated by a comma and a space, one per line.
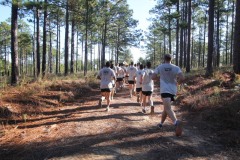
point(169, 32)
point(72, 47)
point(181, 39)
point(38, 42)
point(56, 69)
point(14, 43)
point(5, 58)
point(91, 52)
point(200, 48)
point(204, 40)
point(59, 50)
point(118, 41)
point(50, 51)
point(217, 36)
point(154, 51)
point(189, 36)
point(82, 65)
point(104, 37)
point(44, 40)
point(33, 43)
point(86, 40)
point(104, 44)
point(236, 48)
point(66, 41)
point(209, 69)
point(226, 44)
point(232, 34)
point(177, 36)
point(77, 53)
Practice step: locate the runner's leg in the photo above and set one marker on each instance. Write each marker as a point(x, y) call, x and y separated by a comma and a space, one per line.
point(164, 116)
point(107, 96)
point(141, 98)
point(130, 89)
point(144, 103)
point(151, 103)
point(168, 109)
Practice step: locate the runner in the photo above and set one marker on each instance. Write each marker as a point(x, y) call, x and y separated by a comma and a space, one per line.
point(138, 76)
point(120, 76)
point(131, 71)
point(113, 81)
point(169, 75)
point(106, 74)
point(125, 67)
point(147, 87)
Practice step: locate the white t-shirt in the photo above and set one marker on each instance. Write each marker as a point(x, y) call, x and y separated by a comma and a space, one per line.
point(106, 74)
point(168, 77)
point(138, 75)
point(120, 72)
point(113, 69)
point(147, 83)
point(131, 72)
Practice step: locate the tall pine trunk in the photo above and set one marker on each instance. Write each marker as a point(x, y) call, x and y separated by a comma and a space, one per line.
point(236, 49)
point(177, 36)
point(44, 40)
point(209, 69)
point(66, 41)
point(14, 43)
point(38, 42)
point(86, 40)
point(189, 35)
point(72, 47)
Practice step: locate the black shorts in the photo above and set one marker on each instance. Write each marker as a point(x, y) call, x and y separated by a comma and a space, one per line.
point(168, 95)
point(119, 79)
point(138, 90)
point(131, 82)
point(147, 93)
point(106, 90)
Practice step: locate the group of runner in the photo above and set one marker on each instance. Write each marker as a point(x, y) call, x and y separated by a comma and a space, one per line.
point(140, 80)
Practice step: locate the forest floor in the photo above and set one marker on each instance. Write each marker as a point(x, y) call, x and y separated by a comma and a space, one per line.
point(62, 120)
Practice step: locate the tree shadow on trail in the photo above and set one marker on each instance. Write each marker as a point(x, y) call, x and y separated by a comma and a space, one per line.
point(67, 118)
point(145, 143)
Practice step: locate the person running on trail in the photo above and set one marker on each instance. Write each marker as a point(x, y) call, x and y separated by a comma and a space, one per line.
point(106, 74)
point(126, 75)
point(113, 82)
point(147, 87)
point(120, 76)
point(138, 76)
point(131, 71)
point(170, 75)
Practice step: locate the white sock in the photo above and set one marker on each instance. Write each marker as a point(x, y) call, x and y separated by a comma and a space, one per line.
point(175, 122)
point(151, 103)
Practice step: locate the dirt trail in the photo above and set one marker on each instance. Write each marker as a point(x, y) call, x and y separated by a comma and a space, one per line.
point(82, 130)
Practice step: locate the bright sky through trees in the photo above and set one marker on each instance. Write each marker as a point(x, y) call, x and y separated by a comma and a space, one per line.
point(140, 12)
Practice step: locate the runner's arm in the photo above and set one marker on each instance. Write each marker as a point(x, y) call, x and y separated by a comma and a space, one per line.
point(180, 78)
point(155, 77)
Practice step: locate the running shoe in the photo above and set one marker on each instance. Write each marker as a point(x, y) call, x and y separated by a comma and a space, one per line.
point(160, 125)
point(178, 130)
point(144, 110)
